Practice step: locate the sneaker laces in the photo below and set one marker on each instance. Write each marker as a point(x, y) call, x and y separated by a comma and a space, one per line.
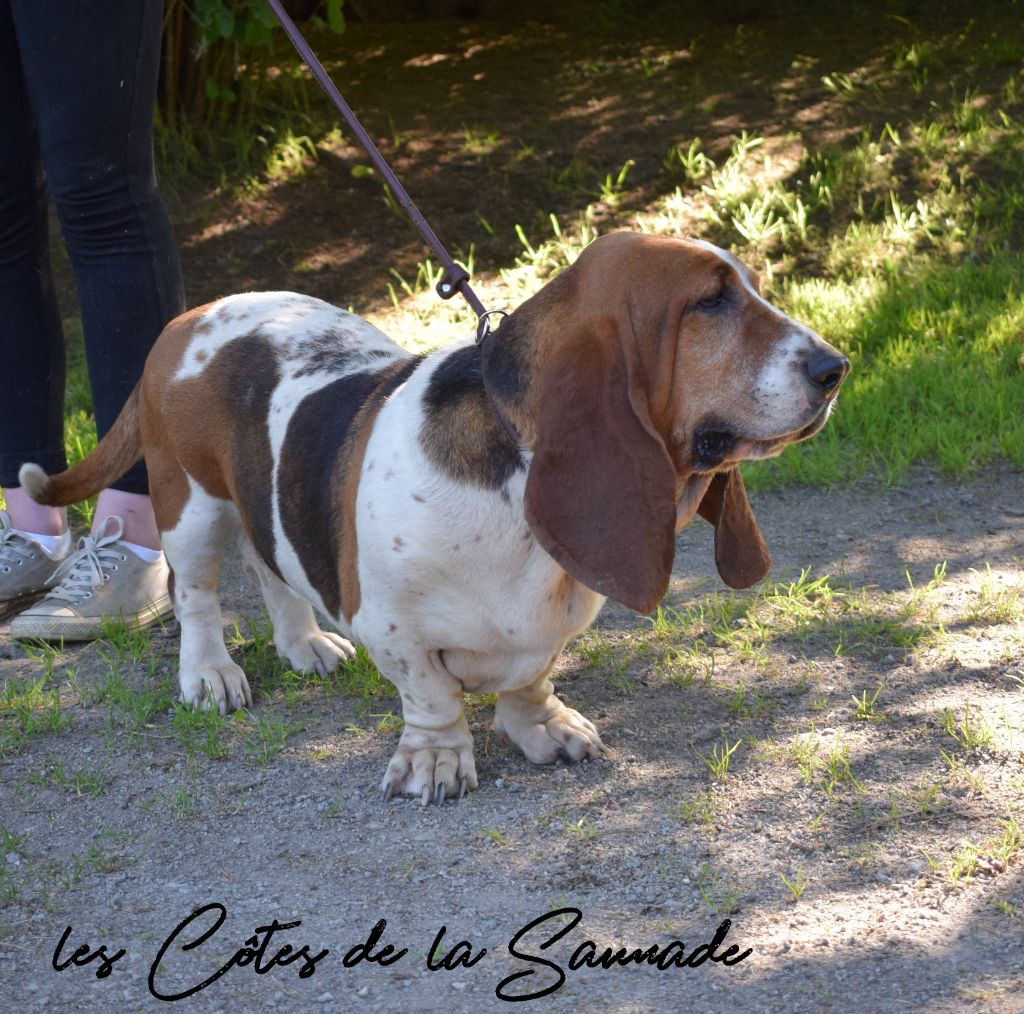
point(15, 546)
point(91, 564)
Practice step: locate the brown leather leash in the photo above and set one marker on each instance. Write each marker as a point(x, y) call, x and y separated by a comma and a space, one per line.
point(455, 277)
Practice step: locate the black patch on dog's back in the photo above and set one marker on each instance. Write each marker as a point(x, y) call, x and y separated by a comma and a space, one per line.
point(458, 375)
point(461, 434)
point(245, 373)
point(313, 457)
point(330, 353)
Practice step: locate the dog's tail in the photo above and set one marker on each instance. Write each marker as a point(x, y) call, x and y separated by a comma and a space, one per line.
point(112, 457)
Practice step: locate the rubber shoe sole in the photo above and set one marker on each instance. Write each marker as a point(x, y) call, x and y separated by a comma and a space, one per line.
point(86, 628)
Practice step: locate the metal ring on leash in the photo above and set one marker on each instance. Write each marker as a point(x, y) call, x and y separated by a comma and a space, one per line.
point(483, 325)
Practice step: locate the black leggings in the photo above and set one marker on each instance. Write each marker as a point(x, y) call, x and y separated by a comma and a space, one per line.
point(77, 85)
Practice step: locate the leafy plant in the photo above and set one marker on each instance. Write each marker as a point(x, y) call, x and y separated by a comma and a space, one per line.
point(718, 760)
point(216, 56)
point(797, 885)
point(864, 706)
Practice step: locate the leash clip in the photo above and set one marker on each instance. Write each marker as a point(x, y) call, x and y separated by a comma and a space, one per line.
point(452, 281)
point(483, 325)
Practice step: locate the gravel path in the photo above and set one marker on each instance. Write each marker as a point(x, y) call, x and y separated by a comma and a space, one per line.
point(301, 836)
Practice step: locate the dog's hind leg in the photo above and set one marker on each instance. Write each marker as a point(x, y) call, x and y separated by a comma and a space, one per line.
point(195, 547)
point(297, 635)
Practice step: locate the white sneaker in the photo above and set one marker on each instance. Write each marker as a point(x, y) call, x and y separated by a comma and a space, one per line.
point(27, 570)
point(102, 578)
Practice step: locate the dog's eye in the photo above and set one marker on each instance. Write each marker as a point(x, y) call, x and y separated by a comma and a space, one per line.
point(712, 302)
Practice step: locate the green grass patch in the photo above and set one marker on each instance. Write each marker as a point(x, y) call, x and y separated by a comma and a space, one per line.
point(82, 782)
point(129, 709)
point(272, 678)
point(939, 372)
point(813, 614)
point(265, 738)
point(29, 709)
point(902, 248)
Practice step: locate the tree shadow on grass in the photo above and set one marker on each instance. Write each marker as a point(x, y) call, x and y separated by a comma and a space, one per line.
point(497, 124)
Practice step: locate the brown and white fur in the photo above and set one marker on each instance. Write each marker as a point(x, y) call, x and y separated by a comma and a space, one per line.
point(465, 513)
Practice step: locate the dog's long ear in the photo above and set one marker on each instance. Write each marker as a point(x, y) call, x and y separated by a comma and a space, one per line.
point(741, 555)
point(600, 494)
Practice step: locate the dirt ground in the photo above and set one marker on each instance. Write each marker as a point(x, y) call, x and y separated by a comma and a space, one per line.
point(882, 925)
point(868, 863)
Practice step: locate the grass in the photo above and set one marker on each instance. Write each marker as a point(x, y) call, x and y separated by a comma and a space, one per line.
point(750, 705)
point(993, 605)
point(272, 679)
point(23, 872)
point(131, 709)
point(718, 758)
point(201, 729)
point(181, 803)
point(130, 644)
point(811, 613)
point(267, 737)
point(584, 829)
point(971, 732)
point(991, 856)
point(495, 835)
point(699, 810)
point(797, 885)
point(718, 889)
point(134, 684)
point(258, 736)
point(75, 783)
point(864, 706)
point(29, 709)
point(836, 771)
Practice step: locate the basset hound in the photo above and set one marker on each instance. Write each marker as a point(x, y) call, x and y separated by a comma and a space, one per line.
point(462, 514)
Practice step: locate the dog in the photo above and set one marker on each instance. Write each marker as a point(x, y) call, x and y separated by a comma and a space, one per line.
point(462, 514)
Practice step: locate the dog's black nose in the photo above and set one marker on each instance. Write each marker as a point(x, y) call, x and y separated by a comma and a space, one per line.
point(827, 369)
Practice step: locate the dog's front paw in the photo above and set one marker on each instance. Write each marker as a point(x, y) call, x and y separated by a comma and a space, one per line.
point(432, 765)
point(318, 654)
point(546, 731)
point(222, 685)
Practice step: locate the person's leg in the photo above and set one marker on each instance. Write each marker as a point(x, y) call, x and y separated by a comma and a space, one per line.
point(90, 68)
point(96, 62)
point(135, 510)
point(32, 401)
point(29, 516)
